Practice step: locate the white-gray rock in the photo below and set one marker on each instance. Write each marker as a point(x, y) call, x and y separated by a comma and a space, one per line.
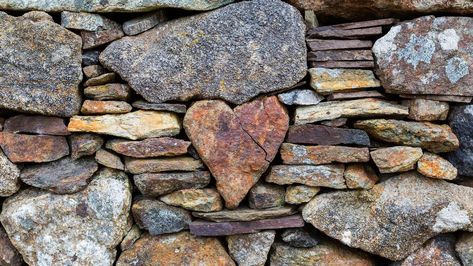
point(9, 176)
point(300, 97)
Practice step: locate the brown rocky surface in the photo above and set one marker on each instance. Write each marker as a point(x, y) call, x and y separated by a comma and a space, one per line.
point(42, 125)
point(326, 80)
point(325, 135)
point(151, 147)
point(360, 176)
point(93, 71)
point(130, 238)
point(251, 249)
point(464, 248)
point(111, 91)
point(299, 154)
point(427, 110)
point(244, 214)
point(110, 31)
point(264, 195)
point(298, 194)
point(396, 159)
point(434, 166)
point(437, 251)
point(156, 165)
point(109, 159)
point(156, 184)
point(84, 144)
point(328, 175)
point(10, 177)
point(90, 107)
point(8, 253)
point(195, 199)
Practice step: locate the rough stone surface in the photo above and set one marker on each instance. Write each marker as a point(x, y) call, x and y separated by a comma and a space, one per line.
point(251, 249)
point(395, 217)
point(104, 107)
point(256, 55)
point(131, 237)
point(360, 176)
point(264, 195)
point(299, 237)
point(63, 176)
point(83, 21)
point(10, 178)
point(432, 137)
point(427, 110)
point(176, 249)
point(158, 218)
point(435, 49)
point(170, 107)
point(109, 159)
point(299, 154)
point(328, 175)
point(139, 166)
point(41, 67)
point(84, 144)
point(369, 107)
point(93, 71)
point(42, 125)
point(300, 97)
point(145, 22)
point(111, 91)
point(111, 31)
point(36, 16)
point(355, 95)
point(437, 251)
point(434, 166)
point(245, 214)
point(20, 148)
point(152, 147)
point(461, 121)
point(194, 199)
point(441, 98)
point(326, 81)
point(396, 159)
point(464, 248)
point(324, 135)
point(298, 194)
point(158, 184)
point(9, 256)
point(78, 229)
point(101, 80)
point(135, 125)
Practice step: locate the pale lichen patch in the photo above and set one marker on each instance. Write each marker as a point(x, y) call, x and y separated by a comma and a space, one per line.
point(418, 49)
point(448, 39)
point(451, 218)
point(456, 69)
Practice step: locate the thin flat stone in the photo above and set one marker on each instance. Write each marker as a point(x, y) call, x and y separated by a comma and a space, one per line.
point(441, 98)
point(111, 91)
point(326, 81)
point(244, 214)
point(396, 159)
point(156, 165)
point(171, 107)
point(357, 65)
point(151, 147)
point(157, 184)
point(329, 175)
point(144, 22)
point(354, 95)
point(324, 135)
point(194, 199)
point(321, 45)
point(300, 97)
point(42, 125)
point(337, 33)
point(84, 144)
point(337, 122)
point(101, 80)
point(83, 21)
point(299, 154)
point(109, 159)
point(337, 55)
point(90, 107)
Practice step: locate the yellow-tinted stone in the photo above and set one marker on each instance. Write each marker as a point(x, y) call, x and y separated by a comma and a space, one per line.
point(326, 81)
point(434, 166)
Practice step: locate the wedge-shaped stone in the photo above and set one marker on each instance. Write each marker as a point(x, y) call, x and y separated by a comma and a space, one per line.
point(251, 249)
point(329, 175)
point(92, 39)
point(143, 23)
point(109, 159)
point(157, 184)
point(300, 154)
point(369, 107)
point(395, 217)
point(193, 199)
point(135, 125)
point(156, 165)
point(324, 135)
point(326, 80)
point(264, 195)
point(103, 79)
point(396, 159)
point(84, 144)
point(434, 166)
point(435, 138)
point(152, 147)
point(300, 237)
point(244, 214)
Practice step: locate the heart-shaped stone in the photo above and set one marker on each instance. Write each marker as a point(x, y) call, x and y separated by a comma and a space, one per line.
point(237, 145)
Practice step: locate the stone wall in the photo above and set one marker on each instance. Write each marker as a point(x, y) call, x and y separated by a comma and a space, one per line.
point(167, 132)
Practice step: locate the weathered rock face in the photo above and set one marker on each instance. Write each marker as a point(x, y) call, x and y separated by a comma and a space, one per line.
point(395, 217)
point(111, 91)
point(151, 147)
point(245, 214)
point(300, 237)
point(158, 184)
point(328, 175)
point(326, 81)
point(360, 176)
point(434, 166)
point(156, 165)
point(42, 125)
point(251, 249)
point(298, 194)
point(41, 67)
point(82, 228)
point(84, 144)
point(396, 159)
point(414, 49)
point(464, 248)
point(300, 97)
point(324, 135)
point(427, 110)
point(437, 251)
point(263, 196)
point(201, 200)
point(255, 56)
point(8, 254)
point(90, 107)
point(10, 177)
point(109, 159)
point(461, 119)
point(299, 154)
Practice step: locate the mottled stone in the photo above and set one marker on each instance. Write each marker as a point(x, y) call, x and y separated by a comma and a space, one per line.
point(90, 107)
point(135, 125)
point(324, 135)
point(145, 22)
point(101, 80)
point(251, 249)
point(152, 147)
point(426, 110)
point(93, 71)
point(437, 251)
point(111, 91)
point(158, 218)
point(461, 121)
point(237, 146)
point(194, 199)
point(298, 194)
point(176, 249)
point(84, 21)
point(300, 97)
point(464, 248)
point(337, 122)
point(432, 137)
point(360, 176)
point(77, 229)
point(170, 107)
point(90, 57)
point(156, 165)
point(369, 107)
point(130, 238)
point(434, 166)
point(251, 42)
point(157, 184)
point(42, 125)
point(41, 67)
point(396, 159)
point(10, 179)
point(326, 81)
point(435, 49)
point(9, 256)
point(21, 148)
point(63, 176)
point(244, 214)
point(111, 31)
point(354, 95)
point(84, 144)
point(300, 237)
point(36, 16)
point(329, 175)
point(264, 195)
point(300, 154)
point(109, 159)
point(395, 217)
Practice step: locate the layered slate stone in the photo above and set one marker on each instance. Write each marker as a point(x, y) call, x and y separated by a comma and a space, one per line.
point(395, 217)
point(251, 249)
point(461, 121)
point(90, 107)
point(103, 79)
point(171, 107)
point(326, 81)
point(157, 184)
point(437, 251)
point(324, 135)
point(434, 166)
point(111, 91)
point(156, 165)
point(244, 214)
point(193, 199)
point(81, 228)
point(151, 147)
point(328, 175)
point(10, 178)
point(42, 125)
point(396, 159)
point(300, 154)
point(237, 146)
point(415, 48)
point(41, 67)
point(229, 46)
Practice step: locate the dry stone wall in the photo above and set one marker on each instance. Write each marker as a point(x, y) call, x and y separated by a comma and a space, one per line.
point(262, 132)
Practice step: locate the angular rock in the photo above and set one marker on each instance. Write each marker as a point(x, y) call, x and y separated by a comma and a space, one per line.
point(131, 237)
point(36, 16)
point(329, 175)
point(460, 120)
point(299, 154)
point(144, 23)
point(298, 194)
point(170, 107)
point(139, 166)
point(236, 146)
point(427, 110)
point(299, 238)
point(200, 200)
point(245, 215)
point(441, 98)
point(158, 184)
point(135, 125)
point(41, 67)
point(93, 71)
point(263, 196)
point(337, 122)
point(110, 32)
point(354, 95)
point(8, 253)
point(395, 217)
point(152, 147)
point(176, 249)
point(21, 148)
point(101, 80)
point(84, 144)
point(396, 159)
point(326, 81)
point(434, 166)
point(251, 249)
point(84, 21)
point(369, 107)
point(109, 159)
point(300, 97)
point(464, 248)
point(63, 176)
point(437, 251)
point(10, 178)
point(360, 176)
point(158, 218)
point(82, 228)
point(432, 137)
point(111, 91)
point(415, 48)
point(105, 107)
point(42, 125)
point(251, 42)
point(90, 57)
point(324, 135)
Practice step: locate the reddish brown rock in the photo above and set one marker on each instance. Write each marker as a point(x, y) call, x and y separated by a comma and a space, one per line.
point(112, 91)
point(360, 176)
point(90, 107)
point(9, 256)
point(236, 152)
point(157, 184)
point(324, 135)
point(434, 166)
point(156, 165)
point(93, 71)
point(152, 147)
point(299, 154)
point(109, 159)
point(84, 144)
point(43, 125)
point(111, 31)
point(396, 159)
point(20, 148)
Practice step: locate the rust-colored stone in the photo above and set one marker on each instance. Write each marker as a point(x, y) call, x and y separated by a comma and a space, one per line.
point(360, 176)
point(44, 125)
point(152, 147)
point(90, 107)
point(299, 154)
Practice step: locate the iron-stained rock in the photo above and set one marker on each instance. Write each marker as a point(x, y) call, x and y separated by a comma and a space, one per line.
point(9, 181)
point(360, 176)
point(461, 121)
point(439, 250)
point(111, 91)
point(300, 154)
point(328, 175)
point(42, 125)
point(84, 144)
point(264, 195)
point(152, 147)
point(326, 81)
point(396, 159)
point(427, 110)
point(194, 199)
point(157, 184)
point(324, 135)
point(156, 165)
point(355, 95)
point(245, 215)
point(109, 159)
point(300, 237)
point(90, 107)
point(251, 249)
point(434, 166)
point(170, 107)
point(300, 97)
point(298, 194)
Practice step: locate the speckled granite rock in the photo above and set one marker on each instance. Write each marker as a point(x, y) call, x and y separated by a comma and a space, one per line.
point(151, 147)
point(461, 121)
point(300, 237)
point(10, 177)
point(83, 21)
point(360, 176)
point(437, 251)
point(300, 97)
point(298, 194)
point(321, 154)
point(464, 248)
point(144, 22)
point(328, 175)
point(251, 249)
point(156, 165)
